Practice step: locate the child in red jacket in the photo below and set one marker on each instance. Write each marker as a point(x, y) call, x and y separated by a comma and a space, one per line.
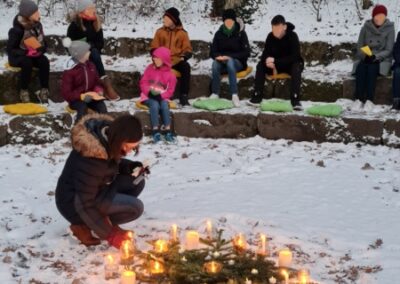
point(81, 86)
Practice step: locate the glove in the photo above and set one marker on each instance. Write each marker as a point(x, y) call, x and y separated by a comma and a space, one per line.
point(134, 165)
point(31, 52)
point(186, 56)
point(117, 236)
point(87, 99)
point(154, 92)
point(370, 59)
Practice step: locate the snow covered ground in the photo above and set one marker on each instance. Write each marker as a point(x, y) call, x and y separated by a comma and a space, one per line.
point(335, 205)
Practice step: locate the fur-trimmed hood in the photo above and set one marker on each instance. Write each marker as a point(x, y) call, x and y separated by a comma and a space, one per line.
point(85, 141)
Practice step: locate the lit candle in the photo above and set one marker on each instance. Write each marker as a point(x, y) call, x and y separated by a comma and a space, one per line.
point(285, 274)
point(285, 258)
point(262, 245)
point(248, 281)
point(239, 242)
point(128, 277)
point(156, 267)
point(127, 252)
point(174, 233)
point(209, 229)
point(192, 240)
point(110, 267)
point(213, 267)
point(303, 276)
point(161, 246)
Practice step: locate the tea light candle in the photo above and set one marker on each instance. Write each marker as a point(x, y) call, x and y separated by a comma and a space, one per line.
point(262, 245)
point(209, 229)
point(285, 257)
point(174, 233)
point(127, 252)
point(303, 276)
point(239, 242)
point(213, 267)
point(285, 274)
point(156, 267)
point(192, 240)
point(128, 277)
point(110, 267)
point(161, 246)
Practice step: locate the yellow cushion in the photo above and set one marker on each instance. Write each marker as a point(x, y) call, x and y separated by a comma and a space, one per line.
point(280, 76)
point(140, 105)
point(25, 109)
point(242, 74)
point(69, 110)
point(177, 73)
point(11, 68)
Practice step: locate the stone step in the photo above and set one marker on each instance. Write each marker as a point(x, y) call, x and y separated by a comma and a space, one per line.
point(320, 52)
point(48, 128)
point(127, 85)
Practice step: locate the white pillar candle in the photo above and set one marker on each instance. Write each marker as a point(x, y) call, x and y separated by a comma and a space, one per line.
point(174, 233)
point(192, 240)
point(110, 267)
point(209, 229)
point(285, 258)
point(128, 277)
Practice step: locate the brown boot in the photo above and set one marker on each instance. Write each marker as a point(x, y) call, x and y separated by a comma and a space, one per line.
point(84, 235)
point(110, 93)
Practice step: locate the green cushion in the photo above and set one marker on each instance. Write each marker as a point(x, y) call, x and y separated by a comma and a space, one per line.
point(329, 110)
point(213, 104)
point(276, 106)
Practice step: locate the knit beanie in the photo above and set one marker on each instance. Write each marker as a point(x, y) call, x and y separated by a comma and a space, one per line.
point(27, 8)
point(77, 48)
point(229, 14)
point(379, 9)
point(173, 14)
point(81, 5)
point(278, 20)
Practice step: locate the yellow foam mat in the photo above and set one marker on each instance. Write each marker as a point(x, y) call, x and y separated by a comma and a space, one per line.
point(69, 110)
point(25, 109)
point(8, 67)
point(242, 74)
point(139, 105)
point(280, 76)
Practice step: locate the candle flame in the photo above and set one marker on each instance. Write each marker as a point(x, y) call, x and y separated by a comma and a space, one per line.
point(110, 259)
point(285, 274)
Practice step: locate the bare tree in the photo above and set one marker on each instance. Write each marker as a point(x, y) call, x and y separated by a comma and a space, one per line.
point(316, 5)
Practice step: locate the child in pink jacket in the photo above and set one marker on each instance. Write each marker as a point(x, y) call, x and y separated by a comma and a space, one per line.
point(157, 87)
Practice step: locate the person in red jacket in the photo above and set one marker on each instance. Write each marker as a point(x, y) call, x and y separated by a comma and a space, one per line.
point(81, 86)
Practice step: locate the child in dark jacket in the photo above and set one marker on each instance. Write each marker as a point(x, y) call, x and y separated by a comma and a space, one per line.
point(26, 47)
point(157, 87)
point(230, 50)
point(81, 86)
point(396, 74)
point(86, 26)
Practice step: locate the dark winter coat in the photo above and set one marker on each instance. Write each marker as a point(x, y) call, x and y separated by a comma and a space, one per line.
point(83, 190)
point(90, 35)
point(79, 78)
point(285, 51)
point(236, 46)
point(21, 30)
point(396, 52)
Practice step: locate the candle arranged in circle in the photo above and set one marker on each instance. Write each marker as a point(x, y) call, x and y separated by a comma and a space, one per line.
point(209, 229)
point(213, 267)
point(174, 233)
point(262, 245)
point(161, 246)
point(110, 267)
point(127, 252)
point(303, 276)
point(285, 275)
point(239, 242)
point(192, 240)
point(128, 277)
point(156, 267)
point(285, 258)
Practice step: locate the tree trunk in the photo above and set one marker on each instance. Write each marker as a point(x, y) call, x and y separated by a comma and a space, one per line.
point(366, 4)
point(217, 8)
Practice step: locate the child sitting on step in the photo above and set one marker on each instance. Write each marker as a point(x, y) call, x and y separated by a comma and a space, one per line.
point(81, 86)
point(157, 87)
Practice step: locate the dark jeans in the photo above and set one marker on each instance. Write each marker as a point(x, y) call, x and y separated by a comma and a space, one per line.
point(81, 107)
point(156, 108)
point(294, 70)
point(125, 207)
point(230, 67)
point(366, 76)
point(396, 83)
point(95, 57)
point(183, 67)
point(26, 64)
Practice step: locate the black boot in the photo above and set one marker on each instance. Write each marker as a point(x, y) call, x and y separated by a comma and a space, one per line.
point(295, 101)
point(255, 100)
point(396, 104)
point(184, 100)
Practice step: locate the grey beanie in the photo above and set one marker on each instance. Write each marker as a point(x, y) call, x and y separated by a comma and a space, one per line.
point(77, 48)
point(27, 8)
point(83, 4)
